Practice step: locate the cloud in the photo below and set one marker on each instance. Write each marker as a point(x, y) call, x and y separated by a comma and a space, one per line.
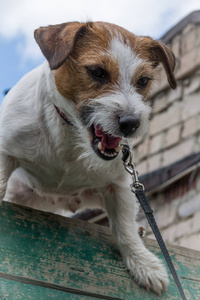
point(145, 17)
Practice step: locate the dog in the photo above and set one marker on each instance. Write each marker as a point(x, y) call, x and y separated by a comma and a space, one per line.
point(62, 126)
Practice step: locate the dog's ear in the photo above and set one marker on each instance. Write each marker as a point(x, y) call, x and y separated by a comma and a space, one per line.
point(57, 41)
point(157, 52)
point(162, 54)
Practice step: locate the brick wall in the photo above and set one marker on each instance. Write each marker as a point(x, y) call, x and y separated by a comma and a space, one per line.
point(173, 134)
point(177, 212)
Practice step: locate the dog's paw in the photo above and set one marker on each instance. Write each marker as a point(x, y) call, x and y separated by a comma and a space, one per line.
point(148, 272)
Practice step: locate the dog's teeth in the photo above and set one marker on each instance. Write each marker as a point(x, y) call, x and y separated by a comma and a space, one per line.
point(118, 148)
point(100, 146)
point(114, 154)
point(109, 154)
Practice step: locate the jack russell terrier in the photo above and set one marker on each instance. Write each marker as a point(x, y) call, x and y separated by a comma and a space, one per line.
point(62, 125)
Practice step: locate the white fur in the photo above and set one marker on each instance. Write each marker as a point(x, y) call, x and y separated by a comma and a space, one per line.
point(48, 164)
point(128, 61)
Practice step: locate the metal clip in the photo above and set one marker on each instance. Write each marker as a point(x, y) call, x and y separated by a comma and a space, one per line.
point(130, 168)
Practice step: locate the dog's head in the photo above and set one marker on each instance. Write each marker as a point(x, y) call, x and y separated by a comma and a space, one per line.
point(107, 73)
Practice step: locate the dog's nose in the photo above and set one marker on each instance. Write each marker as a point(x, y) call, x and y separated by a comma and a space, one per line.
point(128, 124)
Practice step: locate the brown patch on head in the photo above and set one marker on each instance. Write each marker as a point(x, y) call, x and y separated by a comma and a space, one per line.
point(156, 53)
point(80, 51)
point(74, 50)
point(76, 79)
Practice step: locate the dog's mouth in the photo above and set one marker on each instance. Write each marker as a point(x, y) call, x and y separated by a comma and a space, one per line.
point(105, 145)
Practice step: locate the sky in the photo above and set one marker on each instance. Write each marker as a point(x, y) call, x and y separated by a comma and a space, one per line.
point(19, 52)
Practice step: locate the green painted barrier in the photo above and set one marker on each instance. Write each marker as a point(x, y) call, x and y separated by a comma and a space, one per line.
point(45, 256)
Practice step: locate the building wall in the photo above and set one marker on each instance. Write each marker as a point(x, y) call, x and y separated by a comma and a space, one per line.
point(174, 130)
point(174, 133)
point(177, 212)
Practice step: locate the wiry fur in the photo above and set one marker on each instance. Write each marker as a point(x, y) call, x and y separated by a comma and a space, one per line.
point(48, 164)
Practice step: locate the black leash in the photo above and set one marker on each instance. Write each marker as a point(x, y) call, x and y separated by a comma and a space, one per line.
point(138, 189)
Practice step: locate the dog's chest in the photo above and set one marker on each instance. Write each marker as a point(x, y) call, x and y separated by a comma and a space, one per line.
point(58, 177)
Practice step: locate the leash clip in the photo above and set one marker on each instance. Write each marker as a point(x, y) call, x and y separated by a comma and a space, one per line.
point(130, 168)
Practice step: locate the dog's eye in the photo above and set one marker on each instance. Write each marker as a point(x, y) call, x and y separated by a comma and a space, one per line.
point(142, 82)
point(98, 73)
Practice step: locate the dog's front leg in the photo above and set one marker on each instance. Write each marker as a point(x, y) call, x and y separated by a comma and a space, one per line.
point(7, 166)
point(144, 266)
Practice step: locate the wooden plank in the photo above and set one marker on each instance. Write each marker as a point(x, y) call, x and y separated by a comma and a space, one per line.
point(22, 291)
point(51, 252)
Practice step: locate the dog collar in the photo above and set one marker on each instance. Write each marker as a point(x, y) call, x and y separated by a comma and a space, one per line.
point(63, 116)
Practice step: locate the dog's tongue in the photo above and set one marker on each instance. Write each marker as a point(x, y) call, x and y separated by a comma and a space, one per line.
point(108, 141)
